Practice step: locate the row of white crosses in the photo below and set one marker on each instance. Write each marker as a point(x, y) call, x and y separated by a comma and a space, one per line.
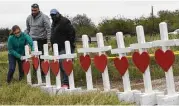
point(46, 67)
point(149, 97)
point(54, 89)
point(68, 56)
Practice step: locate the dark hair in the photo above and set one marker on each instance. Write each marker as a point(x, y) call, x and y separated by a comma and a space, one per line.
point(35, 5)
point(14, 28)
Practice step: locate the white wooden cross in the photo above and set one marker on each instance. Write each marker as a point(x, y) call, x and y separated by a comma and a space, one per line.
point(46, 57)
point(58, 77)
point(69, 56)
point(172, 98)
point(37, 53)
point(100, 50)
point(149, 96)
point(89, 81)
point(26, 58)
point(128, 94)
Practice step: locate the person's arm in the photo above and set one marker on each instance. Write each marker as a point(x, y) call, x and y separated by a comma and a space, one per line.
point(11, 50)
point(28, 26)
point(29, 41)
point(47, 27)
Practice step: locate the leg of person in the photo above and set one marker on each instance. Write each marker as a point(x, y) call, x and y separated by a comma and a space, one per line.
point(21, 72)
point(12, 66)
point(40, 47)
point(65, 81)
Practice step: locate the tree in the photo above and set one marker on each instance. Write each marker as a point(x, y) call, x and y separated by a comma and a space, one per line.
point(83, 25)
point(112, 26)
point(4, 33)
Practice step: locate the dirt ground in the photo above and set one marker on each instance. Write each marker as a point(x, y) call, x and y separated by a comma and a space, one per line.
point(158, 84)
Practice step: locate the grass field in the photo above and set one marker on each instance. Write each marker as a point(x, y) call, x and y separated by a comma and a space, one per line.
point(20, 93)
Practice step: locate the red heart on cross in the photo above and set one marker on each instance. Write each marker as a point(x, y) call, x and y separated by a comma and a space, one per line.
point(35, 61)
point(68, 66)
point(100, 62)
point(26, 67)
point(141, 60)
point(45, 66)
point(55, 67)
point(85, 62)
point(164, 59)
point(121, 65)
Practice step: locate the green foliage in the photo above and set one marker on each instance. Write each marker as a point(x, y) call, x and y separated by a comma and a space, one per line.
point(4, 33)
point(83, 25)
point(110, 27)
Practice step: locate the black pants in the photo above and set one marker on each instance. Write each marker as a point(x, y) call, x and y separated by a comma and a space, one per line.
point(64, 76)
point(12, 65)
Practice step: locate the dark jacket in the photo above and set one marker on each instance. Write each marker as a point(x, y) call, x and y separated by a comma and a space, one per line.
point(62, 30)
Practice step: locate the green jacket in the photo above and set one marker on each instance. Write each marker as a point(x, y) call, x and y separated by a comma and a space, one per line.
point(16, 45)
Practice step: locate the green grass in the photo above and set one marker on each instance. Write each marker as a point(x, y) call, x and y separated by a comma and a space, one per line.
point(19, 93)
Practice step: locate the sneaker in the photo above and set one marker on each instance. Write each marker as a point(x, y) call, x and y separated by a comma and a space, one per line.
point(65, 86)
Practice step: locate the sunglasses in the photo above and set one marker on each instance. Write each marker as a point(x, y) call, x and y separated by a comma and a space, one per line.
point(34, 10)
point(17, 33)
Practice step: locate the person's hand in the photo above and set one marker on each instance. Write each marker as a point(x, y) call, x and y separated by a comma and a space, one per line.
point(21, 58)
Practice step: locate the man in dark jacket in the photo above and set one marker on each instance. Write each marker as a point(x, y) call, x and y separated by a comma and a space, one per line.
point(62, 30)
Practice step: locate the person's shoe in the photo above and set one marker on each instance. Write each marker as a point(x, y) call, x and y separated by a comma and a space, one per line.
point(65, 86)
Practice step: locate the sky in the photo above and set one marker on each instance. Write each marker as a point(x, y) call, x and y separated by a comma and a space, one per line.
point(16, 11)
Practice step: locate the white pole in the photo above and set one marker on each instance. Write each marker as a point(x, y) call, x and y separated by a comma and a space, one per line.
point(47, 77)
point(146, 75)
point(71, 77)
point(39, 78)
point(29, 80)
point(58, 77)
point(169, 74)
point(105, 75)
point(125, 77)
point(88, 73)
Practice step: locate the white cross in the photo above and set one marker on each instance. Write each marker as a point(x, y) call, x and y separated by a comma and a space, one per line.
point(37, 53)
point(172, 98)
point(46, 57)
point(88, 73)
point(26, 58)
point(127, 95)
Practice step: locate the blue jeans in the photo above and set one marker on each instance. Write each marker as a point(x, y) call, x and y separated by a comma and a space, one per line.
point(12, 66)
point(63, 74)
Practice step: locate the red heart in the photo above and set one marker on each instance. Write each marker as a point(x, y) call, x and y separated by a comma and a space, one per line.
point(35, 61)
point(26, 67)
point(100, 62)
point(164, 59)
point(85, 62)
point(68, 66)
point(141, 60)
point(121, 65)
point(45, 66)
point(55, 67)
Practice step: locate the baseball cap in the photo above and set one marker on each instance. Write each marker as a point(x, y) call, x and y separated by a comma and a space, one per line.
point(54, 11)
point(35, 5)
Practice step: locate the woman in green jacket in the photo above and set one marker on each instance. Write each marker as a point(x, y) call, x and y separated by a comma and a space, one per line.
point(16, 49)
